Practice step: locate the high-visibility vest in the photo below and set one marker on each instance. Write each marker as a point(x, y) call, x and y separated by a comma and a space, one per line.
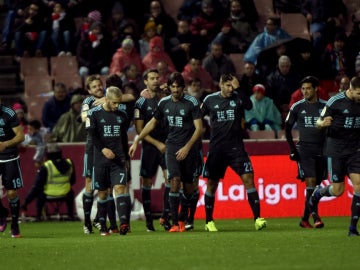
point(57, 184)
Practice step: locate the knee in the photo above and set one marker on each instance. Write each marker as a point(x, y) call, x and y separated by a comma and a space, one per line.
point(337, 190)
point(12, 194)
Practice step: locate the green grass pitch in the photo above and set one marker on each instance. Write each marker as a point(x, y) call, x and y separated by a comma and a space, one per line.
point(237, 245)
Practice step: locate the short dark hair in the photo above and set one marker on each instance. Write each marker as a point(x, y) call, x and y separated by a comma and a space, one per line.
point(311, 79)
point(355, 82)
point(146, 72)
point(226, 77)
point(35, 124)
point(113, 80)
point(176, 77)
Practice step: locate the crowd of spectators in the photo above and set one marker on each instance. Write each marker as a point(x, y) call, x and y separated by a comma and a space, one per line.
point(112, 38)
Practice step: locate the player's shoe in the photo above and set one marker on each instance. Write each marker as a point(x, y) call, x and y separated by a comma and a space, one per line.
point(182, 226)
point(113, 229)
point(97, 225)
point(189, 226)
point(210, 226)
point(150, 227)
point(3, 221)
point(318, 224)
point(260, 223)
point(175, 228)
point(314, 199)
point(353, 232)
point(305, 224)
point(124, 229)
point(88, 229)
point(165, 223)
point(15, 232)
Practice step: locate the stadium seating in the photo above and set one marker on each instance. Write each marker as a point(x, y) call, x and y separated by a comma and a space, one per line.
point(71, 81)
point(63, 65)
point(37, 85)
point(265, 8)
point(33, 66)
point(237, 59)
point(261, 134)
point(295, 24)
point(35, 105)
point(294, 132)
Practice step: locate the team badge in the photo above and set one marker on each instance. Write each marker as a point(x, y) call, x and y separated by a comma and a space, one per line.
point(232, 103)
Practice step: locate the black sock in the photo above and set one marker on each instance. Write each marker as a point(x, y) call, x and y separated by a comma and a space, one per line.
point(102, 211)
point(166, 203)
point(122, 208)
point(3, 210)
point(309, 192)
point(174, 201)
point(193, 205)
point(355, 210)
point(87, 199)
point(128, 214)
point(14, 210)
point(254, 201)
point(209, 206)
point(185, 204)
point(146, 200)
point(111, 211)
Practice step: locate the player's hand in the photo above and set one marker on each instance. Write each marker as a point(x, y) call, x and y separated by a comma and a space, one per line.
point(161, 147)
point(294, 155)
point(327, 121)
point(235, 83)
point(99, 101)
point(132, 150)
point(108, 153)
point(182, 153)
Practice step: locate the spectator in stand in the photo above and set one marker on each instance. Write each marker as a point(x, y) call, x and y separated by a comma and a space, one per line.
point(263, 115)
point(157, 54)
point(30, 32)
point(130, 74)
point(125, 56)
point(57, 105)
point(164, 73)
point(344, 83)
point(272, 33)
point(268, 59)
point(205, 26)
point(324, 20)
point(334, 58)
point(63, 29)
point(20, 113)
point(93, 52)
point(165, 24)
point(217, 63)
point(194, 89)
point(237, 32)
point(353, 44)
point(92, 17)
point(194, 70)
point(182, 45)
point(149, 33)
point(69, 127)
point(282, 83)
point(250, 78)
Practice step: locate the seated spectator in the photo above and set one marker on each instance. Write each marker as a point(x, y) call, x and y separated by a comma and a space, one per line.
point(148, 34)
point(53, 181)
point(217, 63)
point(353, 44)
point(63, 30)
point(36, 137)
point(68, 128)
point(164, 73)
point(194, 70)
point(57, 105)
point(182, 45)
point(31, 31)
point(272, 33)
point(194, 89)
point(344, 83)
point(93, 52)
point(130, 74)
point(237, 32)
point(250, 78)
point(125, 56)
point(92, 17)
point(268, 59)
point(20, 113)
point(281, 83)
point(157, 54)
point(263, 115)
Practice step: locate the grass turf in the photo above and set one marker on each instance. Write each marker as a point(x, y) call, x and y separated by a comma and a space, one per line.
point(237, 245)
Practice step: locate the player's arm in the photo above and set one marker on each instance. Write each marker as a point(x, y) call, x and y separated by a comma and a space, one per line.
point(183, 151)
point(325, 120)
point(18, 138)
point(150, 126)
point(139, 126)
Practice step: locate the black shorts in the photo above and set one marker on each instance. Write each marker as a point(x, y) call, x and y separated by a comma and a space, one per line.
point(339, 167)
point(218, 161)
point(151, 159)
point(312, 166)
point(11, 174)
point(107, 176)
point(199, 163)
point(185, 169)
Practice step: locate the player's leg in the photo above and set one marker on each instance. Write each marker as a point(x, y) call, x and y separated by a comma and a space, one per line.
point(354, 175)
point(146, 200)
point(164, 219)
point(111, 211)
point(88, 194)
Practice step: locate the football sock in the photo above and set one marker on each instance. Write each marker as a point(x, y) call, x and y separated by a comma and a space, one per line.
point(122, 208)
point(128, 202)
point(209, 206)
point(87, 199)
point(355, 209)
point(146, 200)
point(254, 201)
point(14, 210)
point(102, 211)
point(166, 203)
point(193, 205)
point(174, 201)
point(111, 211)
point(185, 203)
point(2, 209)
point(309, 192)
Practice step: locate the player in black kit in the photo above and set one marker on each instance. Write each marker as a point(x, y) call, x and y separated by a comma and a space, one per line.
point(308, 152)
point(183, 117)
point(341, 117)
point(226, 148)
